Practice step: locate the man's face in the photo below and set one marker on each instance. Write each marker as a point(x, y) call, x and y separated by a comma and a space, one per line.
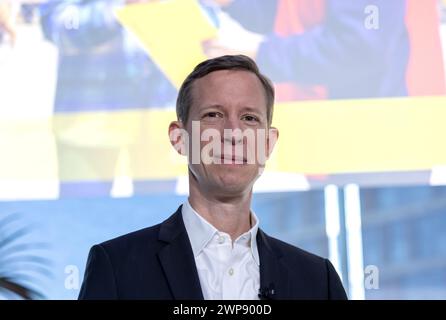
point(229, 116)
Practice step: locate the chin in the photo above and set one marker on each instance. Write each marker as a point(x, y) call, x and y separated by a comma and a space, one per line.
point(235, 183)
point(232, 190)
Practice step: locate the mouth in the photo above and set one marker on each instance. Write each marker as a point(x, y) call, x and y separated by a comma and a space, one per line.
point(231, 159)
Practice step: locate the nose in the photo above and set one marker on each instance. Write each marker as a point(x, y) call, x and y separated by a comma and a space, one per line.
point(232, 132)
point(232, 122)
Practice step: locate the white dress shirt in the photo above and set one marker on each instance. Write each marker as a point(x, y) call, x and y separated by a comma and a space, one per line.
point(227, 270)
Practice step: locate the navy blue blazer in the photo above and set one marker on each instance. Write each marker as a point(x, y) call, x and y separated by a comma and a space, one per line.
point(158, 263)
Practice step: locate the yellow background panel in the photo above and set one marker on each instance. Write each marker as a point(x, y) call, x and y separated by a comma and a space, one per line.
point(180, 49)
point(362, 135)
point(315, 138)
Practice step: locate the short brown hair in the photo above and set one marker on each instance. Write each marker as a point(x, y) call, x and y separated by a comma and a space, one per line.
point(228, 62)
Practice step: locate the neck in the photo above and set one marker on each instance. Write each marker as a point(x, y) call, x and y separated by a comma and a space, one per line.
point(229, 214)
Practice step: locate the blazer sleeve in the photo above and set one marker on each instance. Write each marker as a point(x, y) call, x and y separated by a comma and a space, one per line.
point(99, 280)
point(335, 289)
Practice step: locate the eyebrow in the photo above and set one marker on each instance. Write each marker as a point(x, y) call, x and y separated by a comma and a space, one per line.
point(213, 106)
point(218, 106)
point(250, 109)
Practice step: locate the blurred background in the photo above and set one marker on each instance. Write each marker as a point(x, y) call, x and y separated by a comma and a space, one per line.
point(88, 87)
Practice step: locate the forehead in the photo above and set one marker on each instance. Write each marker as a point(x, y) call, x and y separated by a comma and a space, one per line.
point(229, 88)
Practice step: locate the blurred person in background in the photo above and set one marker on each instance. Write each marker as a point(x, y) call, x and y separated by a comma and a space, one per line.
point(102, 69)
point(7, 22)
point(336, 49)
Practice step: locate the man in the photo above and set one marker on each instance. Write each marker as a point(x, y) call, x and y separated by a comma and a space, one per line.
point(212, 247)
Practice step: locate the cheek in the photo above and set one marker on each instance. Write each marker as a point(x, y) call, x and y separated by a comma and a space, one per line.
point(257, 151)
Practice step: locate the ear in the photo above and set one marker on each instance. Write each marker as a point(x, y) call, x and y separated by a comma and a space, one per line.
point(273, 136)
point(178, 137)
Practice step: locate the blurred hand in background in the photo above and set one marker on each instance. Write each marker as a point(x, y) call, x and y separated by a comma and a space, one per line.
point(6, 21)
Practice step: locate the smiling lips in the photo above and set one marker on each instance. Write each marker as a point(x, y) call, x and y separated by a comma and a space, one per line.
point(231, 159)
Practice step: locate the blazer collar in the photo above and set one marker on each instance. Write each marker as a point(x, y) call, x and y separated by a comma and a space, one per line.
point(178, 263)
point(273, 274)
point(177, 259)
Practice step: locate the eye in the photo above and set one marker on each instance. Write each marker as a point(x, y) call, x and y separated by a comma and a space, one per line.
point(212, 114)
point(250, 118)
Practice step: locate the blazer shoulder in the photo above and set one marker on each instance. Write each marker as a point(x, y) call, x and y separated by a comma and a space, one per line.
point(147, 237)
point(127, 266)
point(289, 251)
point(113, 264)
point(310, 270)
point(130, 241)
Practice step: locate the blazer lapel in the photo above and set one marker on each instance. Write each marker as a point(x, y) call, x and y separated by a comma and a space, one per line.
point(177, 259)
point(273, 275)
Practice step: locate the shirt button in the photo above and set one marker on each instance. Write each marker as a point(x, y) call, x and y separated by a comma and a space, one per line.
point(231, 271)
point(221, 239)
